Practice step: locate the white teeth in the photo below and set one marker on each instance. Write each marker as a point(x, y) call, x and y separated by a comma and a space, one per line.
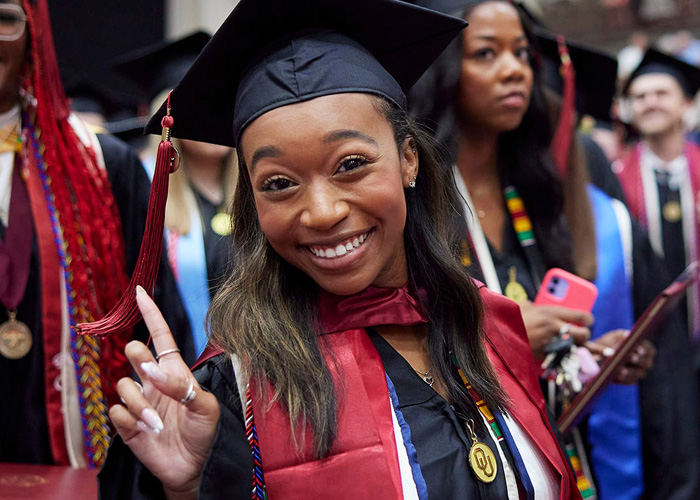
point(340, 250)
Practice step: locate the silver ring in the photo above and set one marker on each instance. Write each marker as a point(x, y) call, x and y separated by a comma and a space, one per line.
point(191, 394)
point(565, 329)
point(166, 352)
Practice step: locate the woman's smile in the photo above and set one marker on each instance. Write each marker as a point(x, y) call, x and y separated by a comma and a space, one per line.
point(330, 196)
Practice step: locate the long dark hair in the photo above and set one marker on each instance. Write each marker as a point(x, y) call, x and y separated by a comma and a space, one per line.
point(523, 153)
point(266, 311)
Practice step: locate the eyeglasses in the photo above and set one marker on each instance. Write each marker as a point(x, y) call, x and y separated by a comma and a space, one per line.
point(12, 22)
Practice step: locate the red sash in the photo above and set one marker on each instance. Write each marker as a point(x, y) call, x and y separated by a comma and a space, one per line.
point(51, 314)
point(364, 459)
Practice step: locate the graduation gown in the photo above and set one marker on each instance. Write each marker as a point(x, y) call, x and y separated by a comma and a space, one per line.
point(670, 405)
point(436, 429)
point(32, 430)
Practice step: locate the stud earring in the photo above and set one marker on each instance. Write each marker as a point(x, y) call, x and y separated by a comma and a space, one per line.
point(412, 183)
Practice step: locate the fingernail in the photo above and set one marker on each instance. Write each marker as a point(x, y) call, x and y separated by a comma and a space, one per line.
point(634, 358)
point(146, 428)
point(139, 290)
point(154, 372)
point(608, 351)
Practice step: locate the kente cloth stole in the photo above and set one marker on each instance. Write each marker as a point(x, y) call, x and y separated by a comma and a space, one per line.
point(475, 248)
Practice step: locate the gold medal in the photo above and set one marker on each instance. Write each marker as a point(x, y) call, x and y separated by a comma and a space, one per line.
point(672, 211)
point(221, 224)
point(15, 338)
point(481, 458)
point(515, 290)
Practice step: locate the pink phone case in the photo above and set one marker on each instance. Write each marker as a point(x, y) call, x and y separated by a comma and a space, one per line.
point(561, 288)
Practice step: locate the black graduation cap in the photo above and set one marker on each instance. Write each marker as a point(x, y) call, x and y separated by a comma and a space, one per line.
point(596, 74)
point(687, 75)
point(95, 91)
point(270, 53)
point(160, 66)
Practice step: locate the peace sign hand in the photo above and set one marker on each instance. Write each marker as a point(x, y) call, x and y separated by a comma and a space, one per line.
point(170, 425)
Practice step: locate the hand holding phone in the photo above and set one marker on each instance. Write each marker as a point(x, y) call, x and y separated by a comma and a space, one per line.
point(561, 288)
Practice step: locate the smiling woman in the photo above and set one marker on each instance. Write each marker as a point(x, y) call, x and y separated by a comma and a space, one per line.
point(348, 342)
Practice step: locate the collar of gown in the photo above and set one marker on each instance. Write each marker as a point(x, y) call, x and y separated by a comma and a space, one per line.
point(371, 307)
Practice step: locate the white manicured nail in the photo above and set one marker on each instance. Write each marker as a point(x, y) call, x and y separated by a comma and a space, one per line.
point(154, 372)
point(143, 426)
point(150, 417)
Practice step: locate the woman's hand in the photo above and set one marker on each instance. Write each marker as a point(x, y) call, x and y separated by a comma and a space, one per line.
point(545, 322)
point(638, 362)
point(169, 437)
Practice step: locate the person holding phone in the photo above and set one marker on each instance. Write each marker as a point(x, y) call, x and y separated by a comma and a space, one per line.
point(353, 355)
point(485, 100)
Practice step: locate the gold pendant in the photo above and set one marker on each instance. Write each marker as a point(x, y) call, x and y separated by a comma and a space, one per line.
point(221, 224)
point(515, 290)
point(15, 338)
point(481, 458)
point(672, 211)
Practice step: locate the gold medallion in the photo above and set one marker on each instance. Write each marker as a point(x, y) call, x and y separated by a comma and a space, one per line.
point(481, 458)
point(15, 338)
point(514, 290)
point(221, 224)
point(672, 211)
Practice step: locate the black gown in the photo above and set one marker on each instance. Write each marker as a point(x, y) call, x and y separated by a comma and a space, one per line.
point(670, 391)
point(437, 432)
point(23, 421)
point(218, 250)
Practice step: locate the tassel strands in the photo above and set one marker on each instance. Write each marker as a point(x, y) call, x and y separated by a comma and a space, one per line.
point(125, 314)
point(561, 143)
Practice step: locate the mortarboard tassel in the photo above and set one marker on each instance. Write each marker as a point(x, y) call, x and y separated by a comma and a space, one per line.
point(561, 144)
point(125, 313)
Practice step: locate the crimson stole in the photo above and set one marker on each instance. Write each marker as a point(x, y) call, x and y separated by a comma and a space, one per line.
point(366, 446)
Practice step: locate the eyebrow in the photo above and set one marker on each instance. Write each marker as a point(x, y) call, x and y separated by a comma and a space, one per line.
point(264, 152)
point(493, 38)
point(341, 135)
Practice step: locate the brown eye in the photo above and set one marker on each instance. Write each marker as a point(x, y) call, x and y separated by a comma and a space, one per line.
point(352, 163)
point(276, 184)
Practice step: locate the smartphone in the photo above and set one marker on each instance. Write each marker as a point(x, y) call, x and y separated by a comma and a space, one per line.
point(561, 288)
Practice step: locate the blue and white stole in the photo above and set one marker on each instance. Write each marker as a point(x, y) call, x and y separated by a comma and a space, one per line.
point(614, 425)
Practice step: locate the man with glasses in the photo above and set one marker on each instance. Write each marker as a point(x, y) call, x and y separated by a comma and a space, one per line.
point(72, 215)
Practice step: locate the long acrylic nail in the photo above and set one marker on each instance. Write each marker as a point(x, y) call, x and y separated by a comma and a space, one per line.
point(154, 371)
point(143, 426)
point(139, 290)
point(608, 351)
point(150, 416)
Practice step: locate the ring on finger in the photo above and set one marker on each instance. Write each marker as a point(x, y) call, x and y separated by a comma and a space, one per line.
point(565, 329)
point(191, 394)
point(166, 352)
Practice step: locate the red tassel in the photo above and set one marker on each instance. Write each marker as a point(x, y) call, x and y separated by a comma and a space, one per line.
point(125, 313)
point(561, 144)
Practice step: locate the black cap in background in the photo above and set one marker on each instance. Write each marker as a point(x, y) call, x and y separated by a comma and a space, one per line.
point(687, 75)
point(97, 92)
point(596, 74)
point(270, 53)
point(160, 66)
